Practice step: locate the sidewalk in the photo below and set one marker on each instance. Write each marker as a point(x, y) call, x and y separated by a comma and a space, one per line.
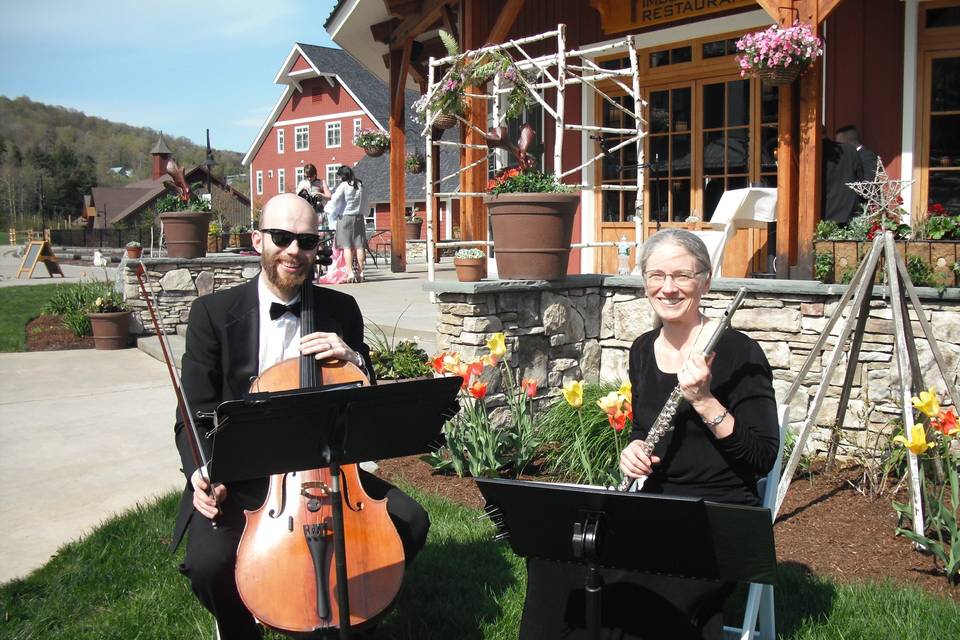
point(87, 434)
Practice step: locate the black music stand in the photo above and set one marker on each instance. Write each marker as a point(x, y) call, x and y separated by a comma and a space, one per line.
point(688, 537)
point(326, 427)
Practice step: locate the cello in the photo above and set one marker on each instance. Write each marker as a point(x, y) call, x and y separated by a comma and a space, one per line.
point(288, 559)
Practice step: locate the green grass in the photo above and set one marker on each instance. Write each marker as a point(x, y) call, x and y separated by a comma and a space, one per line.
point(18, 306)
point(120, 582)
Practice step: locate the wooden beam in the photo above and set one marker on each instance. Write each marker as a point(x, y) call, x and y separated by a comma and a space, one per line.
point(810, 180)
point(415, 24)
point(398, 183)
point(825, 8)
point(450, 23)
point(473, 213)
point(772, 7)
point(382, 30)
point(401, 8)
point(506, 18)
point(787, 176)
point(397, 94)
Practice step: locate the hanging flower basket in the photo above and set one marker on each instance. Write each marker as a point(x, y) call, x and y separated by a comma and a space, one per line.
point(779, 76)
point(779, 54)
point(374, 153)
point(373, 142)
point(445, 121)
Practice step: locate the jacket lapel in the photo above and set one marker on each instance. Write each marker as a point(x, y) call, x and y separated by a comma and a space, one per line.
point(243, 339)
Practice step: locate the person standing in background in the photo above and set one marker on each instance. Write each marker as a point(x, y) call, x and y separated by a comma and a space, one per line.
point(849, 134)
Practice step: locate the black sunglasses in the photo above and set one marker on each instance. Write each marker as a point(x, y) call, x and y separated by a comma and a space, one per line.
point(282, 238)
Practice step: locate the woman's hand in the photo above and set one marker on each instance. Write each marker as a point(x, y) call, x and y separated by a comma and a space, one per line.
point(328, 345)
point(635, 462)
point(694, 379)
point(207, 505)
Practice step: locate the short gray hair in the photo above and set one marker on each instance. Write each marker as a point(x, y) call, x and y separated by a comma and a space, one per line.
point(683, 239)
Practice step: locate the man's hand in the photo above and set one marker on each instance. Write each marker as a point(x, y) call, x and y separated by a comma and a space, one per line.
point(207, 505)
point(329, 345)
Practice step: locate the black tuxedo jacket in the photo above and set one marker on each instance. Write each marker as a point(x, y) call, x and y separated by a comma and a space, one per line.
point(220, 360)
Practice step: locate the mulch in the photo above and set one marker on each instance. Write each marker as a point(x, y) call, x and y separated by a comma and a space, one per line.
point(825, 524)
point(48, 333)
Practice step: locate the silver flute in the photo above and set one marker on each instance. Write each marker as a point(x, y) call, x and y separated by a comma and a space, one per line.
point(664, 421)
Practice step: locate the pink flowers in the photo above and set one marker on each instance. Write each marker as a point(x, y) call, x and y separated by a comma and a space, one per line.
point(778, 47)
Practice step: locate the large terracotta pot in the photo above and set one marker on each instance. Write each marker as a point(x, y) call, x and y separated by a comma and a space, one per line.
point(531, 233)
point(110, 330)
point(470, 269)
point(186, 233)
point(412, 230)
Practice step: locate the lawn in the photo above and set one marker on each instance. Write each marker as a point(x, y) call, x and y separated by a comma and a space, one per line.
point(18, 306)
point(120, 582)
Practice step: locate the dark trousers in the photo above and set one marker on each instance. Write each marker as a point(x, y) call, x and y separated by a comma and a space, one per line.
point(211, 554)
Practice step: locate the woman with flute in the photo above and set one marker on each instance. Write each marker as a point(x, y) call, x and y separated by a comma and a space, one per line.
point(725, 437)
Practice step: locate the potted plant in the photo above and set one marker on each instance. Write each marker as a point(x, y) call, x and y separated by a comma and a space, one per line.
point(213, 236)
point(373, 141)
point(415, 162)
point(240, 236)
point(134, 250)
point(109, 320)
point(779, 54)
point(185, 217)
point(531, 213)
point(413, 225)
point(471, 264)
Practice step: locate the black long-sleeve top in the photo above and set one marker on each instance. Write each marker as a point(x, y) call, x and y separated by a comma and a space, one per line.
point(693, 461)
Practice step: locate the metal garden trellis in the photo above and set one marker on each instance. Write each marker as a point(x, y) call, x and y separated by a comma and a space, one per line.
point(558, 73)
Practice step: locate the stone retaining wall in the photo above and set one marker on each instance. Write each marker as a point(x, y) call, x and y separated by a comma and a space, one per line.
point(175, 283)
point(582, 328)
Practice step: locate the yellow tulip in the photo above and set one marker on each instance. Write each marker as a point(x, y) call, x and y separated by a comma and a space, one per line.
point(917, 442)
point(497, 346)
point(611, 402)
point(626, 390)
point(573, 393)
point(927, 402)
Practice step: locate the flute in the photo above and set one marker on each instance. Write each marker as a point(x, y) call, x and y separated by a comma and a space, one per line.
point(664, 421)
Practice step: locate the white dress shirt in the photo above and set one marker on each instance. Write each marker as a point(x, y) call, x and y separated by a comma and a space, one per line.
point(280, 338)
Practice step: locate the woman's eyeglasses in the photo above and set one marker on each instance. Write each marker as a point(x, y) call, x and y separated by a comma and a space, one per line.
point(282, 238)
point(680, 278)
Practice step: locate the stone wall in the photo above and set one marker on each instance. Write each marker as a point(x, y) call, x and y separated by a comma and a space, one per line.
point(175, 283)
point(582, 328)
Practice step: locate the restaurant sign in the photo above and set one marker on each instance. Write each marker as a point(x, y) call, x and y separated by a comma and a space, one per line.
point(630, 15)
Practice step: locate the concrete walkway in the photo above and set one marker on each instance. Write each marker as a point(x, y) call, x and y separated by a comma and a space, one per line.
point(87, 434)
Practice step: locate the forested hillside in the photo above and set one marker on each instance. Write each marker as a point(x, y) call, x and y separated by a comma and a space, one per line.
point(69, 152)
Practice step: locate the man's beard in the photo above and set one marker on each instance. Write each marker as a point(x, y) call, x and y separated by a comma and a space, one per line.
point(288, 283)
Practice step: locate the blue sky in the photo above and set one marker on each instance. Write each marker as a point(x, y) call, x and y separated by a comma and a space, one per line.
point(176, 65)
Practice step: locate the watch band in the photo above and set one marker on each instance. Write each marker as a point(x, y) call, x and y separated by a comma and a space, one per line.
point(717, 420)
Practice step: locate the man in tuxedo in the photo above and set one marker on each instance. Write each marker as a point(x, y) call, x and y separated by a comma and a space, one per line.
point(232, 336)
point(849, 134)
point(841, 165)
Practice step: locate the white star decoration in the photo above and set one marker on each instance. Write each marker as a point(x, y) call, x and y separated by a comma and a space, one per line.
point(881, 194)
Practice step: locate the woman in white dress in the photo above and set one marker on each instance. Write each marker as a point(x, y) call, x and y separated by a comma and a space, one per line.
point(347, 205)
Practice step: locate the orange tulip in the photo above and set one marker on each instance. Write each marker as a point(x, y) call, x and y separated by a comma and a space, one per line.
point(946, 422)
point(529, 386)
point(437, 363)
point(478, 390)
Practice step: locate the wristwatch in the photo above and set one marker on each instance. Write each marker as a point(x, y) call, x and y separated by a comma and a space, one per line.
point(716, 421)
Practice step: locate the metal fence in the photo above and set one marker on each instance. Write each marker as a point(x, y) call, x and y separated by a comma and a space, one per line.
point(98, 237)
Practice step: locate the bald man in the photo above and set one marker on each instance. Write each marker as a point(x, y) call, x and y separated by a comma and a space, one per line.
point(232, 336)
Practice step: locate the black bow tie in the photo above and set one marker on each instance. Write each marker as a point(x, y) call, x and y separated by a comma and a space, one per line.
point(277, 309)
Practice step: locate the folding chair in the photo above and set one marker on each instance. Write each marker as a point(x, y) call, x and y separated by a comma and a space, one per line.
point(760, 596)
point(737, 209)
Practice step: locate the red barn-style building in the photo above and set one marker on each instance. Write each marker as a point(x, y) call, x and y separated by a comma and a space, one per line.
point(328, 96)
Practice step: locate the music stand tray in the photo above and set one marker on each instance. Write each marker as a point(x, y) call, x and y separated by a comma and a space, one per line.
point(670, 535)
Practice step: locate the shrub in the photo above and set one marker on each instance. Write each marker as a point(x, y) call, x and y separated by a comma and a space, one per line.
point(823, 266)
point(72, 302)
point(393, 360)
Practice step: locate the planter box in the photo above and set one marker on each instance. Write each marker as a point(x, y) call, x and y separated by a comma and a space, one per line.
point(412, 230)
point(938, 254)
point(110, 330)
point(470, 269)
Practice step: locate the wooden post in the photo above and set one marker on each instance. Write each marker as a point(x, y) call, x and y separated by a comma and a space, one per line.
point(473, 214)
point(811, 148)
point(787, 177)
point(398, 180)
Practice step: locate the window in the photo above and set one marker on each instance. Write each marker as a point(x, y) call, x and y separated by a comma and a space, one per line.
point(279, 140)
point(281, 181)
point(301, 138)
point(357, 125)
point(332, 175)
point(299, 175)
point(270, 173)
point(370, 219)
point(333, 134)
point(259, 183)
